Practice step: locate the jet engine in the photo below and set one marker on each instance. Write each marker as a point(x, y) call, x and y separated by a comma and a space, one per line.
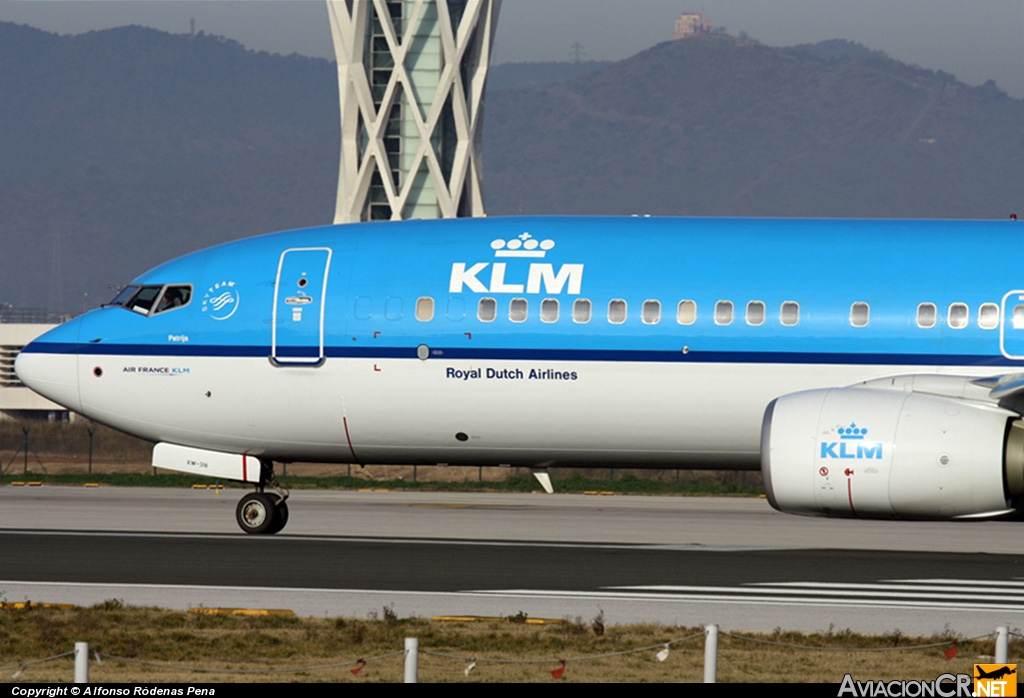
point(890, 454)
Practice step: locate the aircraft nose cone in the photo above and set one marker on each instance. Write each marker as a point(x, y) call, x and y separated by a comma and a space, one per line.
point(49, 365)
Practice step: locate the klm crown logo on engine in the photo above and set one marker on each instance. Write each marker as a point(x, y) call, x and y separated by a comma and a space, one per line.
point(851, 445)
point(538, 277)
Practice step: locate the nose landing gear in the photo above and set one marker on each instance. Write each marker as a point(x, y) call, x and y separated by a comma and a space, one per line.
point(262, 512)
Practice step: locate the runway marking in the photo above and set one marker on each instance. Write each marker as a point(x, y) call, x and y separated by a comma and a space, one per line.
point(909, 593)
point(972, 582)
point(286, 538)
point(739, 598)
point(907, 585)
point(827, 590)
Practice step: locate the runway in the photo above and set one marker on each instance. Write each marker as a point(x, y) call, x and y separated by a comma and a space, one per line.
point(670, 560)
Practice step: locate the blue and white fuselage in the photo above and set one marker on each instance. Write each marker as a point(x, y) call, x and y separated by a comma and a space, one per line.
point(640, 342)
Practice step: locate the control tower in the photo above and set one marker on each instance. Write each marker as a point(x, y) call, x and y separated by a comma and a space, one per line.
point(411, 77)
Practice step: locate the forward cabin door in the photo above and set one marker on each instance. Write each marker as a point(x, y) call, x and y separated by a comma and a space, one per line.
point(300, 294)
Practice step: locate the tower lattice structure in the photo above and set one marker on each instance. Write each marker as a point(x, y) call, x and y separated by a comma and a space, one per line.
point(411, 76)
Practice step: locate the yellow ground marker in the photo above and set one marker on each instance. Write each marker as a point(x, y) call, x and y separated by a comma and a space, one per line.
point(243, 611)
point(500, 619)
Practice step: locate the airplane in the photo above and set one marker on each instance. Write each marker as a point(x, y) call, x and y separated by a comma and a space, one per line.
point(868, 368)
point(995, 673)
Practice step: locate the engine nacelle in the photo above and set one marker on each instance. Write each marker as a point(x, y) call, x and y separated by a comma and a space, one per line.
point(870, 453)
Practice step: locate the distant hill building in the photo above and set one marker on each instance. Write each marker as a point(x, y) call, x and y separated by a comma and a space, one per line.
point(690, 23)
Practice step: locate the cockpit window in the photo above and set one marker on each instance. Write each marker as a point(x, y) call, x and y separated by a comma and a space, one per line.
point(142, 302)
point(174, 297)
point(150, 300)
point(124, 295)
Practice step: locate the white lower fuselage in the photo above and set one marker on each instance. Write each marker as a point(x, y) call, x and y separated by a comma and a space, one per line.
point(413, 411)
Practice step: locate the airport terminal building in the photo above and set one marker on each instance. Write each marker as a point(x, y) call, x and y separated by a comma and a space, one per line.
point(16, 400)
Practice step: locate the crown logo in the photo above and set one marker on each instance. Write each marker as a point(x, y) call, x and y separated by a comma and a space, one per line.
point(852, 432)
point(522, 246)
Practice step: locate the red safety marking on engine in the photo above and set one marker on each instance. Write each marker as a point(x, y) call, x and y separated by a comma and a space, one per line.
point(823, 471)
point(849, 492)
point(375, 368)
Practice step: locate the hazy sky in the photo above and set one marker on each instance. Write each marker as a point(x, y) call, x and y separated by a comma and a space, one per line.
point(976, 40)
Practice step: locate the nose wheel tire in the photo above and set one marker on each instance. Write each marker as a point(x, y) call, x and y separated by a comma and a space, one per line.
point(258, 513)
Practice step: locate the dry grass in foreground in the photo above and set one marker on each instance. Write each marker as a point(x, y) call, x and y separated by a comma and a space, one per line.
point(254, 645)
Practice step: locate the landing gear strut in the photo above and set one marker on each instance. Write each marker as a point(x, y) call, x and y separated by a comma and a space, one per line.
point(263, 512)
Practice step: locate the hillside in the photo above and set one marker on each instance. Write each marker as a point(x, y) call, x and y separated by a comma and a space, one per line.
point(126, 147)
point(716, 126)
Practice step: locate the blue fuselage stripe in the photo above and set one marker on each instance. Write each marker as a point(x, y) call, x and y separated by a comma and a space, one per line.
point(462, 354)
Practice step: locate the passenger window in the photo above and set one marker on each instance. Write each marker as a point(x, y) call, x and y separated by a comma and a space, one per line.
point(425, 309)
point(723, 313)
point(860, 314)
point(755, 313)
point(790, 313)
point(617, 311)
point(1018, 317)
point(364, 308)
point(174, 297)
point(456, 309)
point(988, 316)
point(686, 313)
point(957, 316)
point(926, 315)
point(581, 310)
point(518, 309)
point(549, 310)
point(651, 312)
point(393, 308)
point(487, 310)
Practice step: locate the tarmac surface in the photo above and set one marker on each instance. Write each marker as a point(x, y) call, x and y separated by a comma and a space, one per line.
point(670, 560)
